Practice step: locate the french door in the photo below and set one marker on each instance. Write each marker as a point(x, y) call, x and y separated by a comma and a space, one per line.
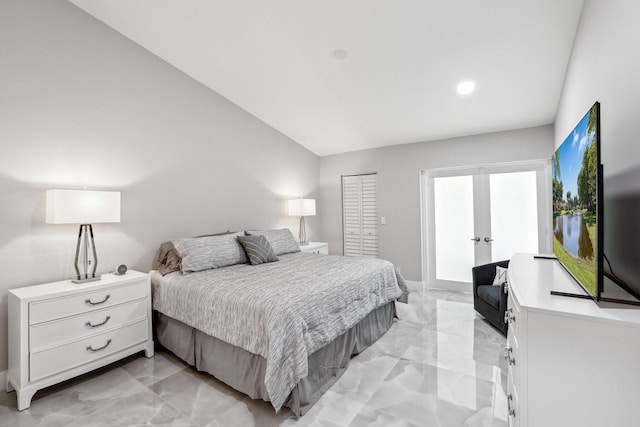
point(478, 215)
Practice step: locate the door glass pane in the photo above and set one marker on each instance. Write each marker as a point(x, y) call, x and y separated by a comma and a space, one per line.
point(453, 216)
point(514, 214)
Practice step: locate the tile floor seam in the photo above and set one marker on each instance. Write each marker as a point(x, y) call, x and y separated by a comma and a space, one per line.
point(165, 401)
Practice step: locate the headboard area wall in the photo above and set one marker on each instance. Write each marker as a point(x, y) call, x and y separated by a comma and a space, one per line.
point(84, 106)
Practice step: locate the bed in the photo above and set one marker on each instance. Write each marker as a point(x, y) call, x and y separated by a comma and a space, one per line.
point(281, 331)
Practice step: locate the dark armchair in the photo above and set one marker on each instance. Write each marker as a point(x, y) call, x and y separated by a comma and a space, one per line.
point(488, 300)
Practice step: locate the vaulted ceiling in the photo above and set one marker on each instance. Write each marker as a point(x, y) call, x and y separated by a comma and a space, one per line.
point(345, 75)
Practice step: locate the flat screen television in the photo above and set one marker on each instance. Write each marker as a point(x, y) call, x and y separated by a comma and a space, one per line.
point(577, 204)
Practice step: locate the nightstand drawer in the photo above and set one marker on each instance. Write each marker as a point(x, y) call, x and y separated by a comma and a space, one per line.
point(72, 328)
point(321, 251)
point(77, 353)
point(46, 310)
point(321, 248)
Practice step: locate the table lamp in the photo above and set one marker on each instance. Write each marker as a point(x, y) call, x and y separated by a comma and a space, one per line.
point(85, 208)
point(302, 208)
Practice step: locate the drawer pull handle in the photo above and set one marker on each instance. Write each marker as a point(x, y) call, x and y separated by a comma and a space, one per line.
point(512, 410)
point(88, 301)
point(91, 325)
point(509, 317)
point(508, 356)
point(90, 348)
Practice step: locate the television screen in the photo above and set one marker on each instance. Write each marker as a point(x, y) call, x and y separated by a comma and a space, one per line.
point(577, 203)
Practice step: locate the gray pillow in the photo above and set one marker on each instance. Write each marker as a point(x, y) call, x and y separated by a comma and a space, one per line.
point(204, 253)
point(258, 249)
point(281, 241)
point(168, 260)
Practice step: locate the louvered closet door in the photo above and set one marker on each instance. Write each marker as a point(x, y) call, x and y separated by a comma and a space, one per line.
point(351, 215)
point(369, 209)
point(360, 215)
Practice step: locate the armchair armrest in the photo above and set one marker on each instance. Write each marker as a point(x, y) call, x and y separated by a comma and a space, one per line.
point(503, 299)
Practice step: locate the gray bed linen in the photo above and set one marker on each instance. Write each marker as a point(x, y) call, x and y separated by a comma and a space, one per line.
point(403, 287)
point(244, 371)
point(282, 311)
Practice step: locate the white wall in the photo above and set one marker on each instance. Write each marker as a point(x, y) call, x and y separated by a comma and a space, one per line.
point(398, 169)
point(80, 105)
point(605, 67)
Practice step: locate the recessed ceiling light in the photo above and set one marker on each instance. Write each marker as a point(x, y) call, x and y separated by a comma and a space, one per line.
point(340, 53)
point(465, 88)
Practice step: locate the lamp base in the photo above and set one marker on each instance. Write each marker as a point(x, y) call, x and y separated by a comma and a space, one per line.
point(86, 279)
point(303, 233)
point(303, 244)
point(86, 243)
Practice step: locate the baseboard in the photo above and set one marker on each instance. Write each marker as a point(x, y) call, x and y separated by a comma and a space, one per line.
point(415, 286)
point(454, 287)
point(3, 380)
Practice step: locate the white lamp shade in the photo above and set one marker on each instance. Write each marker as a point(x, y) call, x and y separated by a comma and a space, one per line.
point(82, 206)
point(302, 207)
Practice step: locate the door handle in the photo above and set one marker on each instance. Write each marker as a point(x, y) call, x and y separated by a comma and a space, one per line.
point(488, 239)
point(475, 239)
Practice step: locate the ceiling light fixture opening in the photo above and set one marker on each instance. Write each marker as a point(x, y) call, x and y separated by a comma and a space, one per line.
point(466, 87)
point(340, 53)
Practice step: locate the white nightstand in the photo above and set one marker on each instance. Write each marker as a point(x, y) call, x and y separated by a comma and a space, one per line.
point(316, 248)
point(60, 330)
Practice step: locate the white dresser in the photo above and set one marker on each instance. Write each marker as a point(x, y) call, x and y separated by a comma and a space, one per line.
point(60, 330)
point(316, 248)
point(572, 362)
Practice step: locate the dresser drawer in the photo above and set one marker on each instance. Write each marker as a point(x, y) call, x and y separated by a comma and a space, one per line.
point(513, 373)
point(515, 316)
point(70, 355)
point(514, 361)
point(513, 404)
point(58, 332)
point(512, 338)
point(51, 309)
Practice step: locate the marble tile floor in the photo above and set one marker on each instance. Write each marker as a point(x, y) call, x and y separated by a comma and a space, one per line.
point(440, 365)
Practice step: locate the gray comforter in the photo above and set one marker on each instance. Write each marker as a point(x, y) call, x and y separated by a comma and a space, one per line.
point(283, 310)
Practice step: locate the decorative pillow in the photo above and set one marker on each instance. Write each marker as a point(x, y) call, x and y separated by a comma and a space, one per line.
point(167, 259)
point(171, 264)
point(258, 249)
point(501, 276)
point(281, 241)
point(204, 253)
point(161, 255)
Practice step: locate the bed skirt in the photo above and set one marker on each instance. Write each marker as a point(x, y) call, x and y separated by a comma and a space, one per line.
point(245, 371)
